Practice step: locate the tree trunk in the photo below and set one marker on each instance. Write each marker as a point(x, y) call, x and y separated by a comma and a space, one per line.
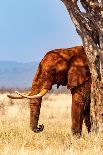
point(89, 25)
point(95, 65)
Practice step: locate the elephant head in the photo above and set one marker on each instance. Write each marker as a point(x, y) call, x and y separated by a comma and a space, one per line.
point(66, 67)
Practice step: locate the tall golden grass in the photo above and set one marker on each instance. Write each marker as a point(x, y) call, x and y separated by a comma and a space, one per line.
point(16, 137)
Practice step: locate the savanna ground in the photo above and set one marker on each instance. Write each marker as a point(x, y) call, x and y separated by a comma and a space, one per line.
point(16, 137)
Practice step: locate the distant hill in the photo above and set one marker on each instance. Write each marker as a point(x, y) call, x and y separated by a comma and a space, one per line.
point(15, 74)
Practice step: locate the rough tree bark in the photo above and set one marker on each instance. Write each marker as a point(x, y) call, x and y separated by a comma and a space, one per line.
point(89, 25)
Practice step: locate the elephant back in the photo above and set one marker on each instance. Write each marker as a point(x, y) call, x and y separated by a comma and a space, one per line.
point(69, 53)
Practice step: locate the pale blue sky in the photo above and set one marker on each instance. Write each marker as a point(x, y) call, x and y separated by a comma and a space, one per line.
point(30, 28)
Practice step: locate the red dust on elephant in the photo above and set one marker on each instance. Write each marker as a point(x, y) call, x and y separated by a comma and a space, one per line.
point(66, 67)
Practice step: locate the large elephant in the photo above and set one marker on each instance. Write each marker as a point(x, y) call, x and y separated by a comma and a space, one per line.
point(66, 67)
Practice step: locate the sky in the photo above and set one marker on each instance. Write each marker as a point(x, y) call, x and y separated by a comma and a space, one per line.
point(30, 28)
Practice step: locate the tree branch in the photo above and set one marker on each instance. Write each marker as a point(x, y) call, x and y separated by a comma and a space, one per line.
point(81, 19)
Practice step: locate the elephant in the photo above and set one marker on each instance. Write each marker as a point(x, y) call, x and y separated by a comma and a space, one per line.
point(65, 67)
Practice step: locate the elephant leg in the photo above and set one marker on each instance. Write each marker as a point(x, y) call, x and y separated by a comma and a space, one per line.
point(81, 107)
point(87, 117)
point(77, 118)
point(35, 105)
point(77, 112)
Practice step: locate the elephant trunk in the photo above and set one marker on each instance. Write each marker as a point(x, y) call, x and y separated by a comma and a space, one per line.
point(35, 105)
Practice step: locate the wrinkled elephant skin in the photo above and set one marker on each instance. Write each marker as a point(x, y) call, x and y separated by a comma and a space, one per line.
point(66, 67)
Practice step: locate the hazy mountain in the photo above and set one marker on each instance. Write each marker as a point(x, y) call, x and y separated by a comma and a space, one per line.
point(15, 74)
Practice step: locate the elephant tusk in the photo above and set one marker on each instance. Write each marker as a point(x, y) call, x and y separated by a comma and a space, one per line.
point(14, 97)
point(41, 94)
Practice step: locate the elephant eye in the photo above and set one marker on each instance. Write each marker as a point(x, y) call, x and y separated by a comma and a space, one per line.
point(53, 70)
point(50, 70)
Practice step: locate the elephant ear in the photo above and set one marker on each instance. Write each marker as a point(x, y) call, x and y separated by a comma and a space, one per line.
point(77, 75)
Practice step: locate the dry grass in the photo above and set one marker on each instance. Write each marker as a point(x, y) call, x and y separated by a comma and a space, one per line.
point(16, 138)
